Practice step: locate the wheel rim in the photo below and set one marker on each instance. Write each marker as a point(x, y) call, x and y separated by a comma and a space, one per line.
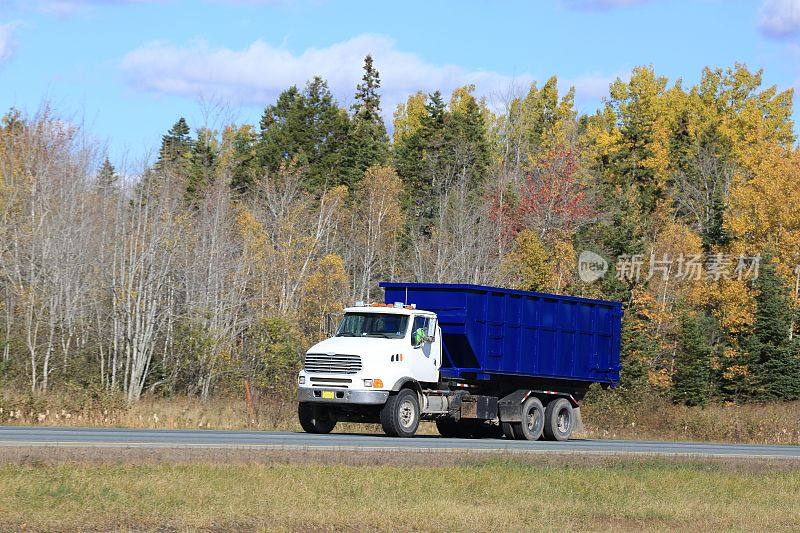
point(534, 419)
point(407, 414)
point(563, 421)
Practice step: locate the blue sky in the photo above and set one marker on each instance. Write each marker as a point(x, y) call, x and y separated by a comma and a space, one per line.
point(128, 68)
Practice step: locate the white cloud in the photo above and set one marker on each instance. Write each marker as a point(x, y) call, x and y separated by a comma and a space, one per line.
point(258, 73)
point(594, 86)
point(8, 44)
point(780, 19)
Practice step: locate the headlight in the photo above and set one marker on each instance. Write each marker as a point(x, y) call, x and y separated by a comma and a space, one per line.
point(301, 380)
point(368, 383)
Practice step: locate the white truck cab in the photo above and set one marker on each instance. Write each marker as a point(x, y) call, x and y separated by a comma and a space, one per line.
point(378, 349)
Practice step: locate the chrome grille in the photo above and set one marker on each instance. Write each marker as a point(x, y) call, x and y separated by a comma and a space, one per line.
point(332, 364)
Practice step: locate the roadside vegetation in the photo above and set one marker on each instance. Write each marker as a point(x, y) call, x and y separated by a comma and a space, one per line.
point(127, 292)
point(272, 491)
point(605, 416)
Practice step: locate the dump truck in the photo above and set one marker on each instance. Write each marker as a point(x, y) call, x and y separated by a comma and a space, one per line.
point(476, 360)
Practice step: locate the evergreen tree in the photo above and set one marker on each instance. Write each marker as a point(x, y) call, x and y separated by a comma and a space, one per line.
point(773, 356)
point(638, 348)
point(368, 143)
point(414, 159)
point(243, 167)
point(107, 175)
point(449, 148)
point(175, 154)
point(203, 165)
point(466, 134)
point(309, 128)
point(692, 378)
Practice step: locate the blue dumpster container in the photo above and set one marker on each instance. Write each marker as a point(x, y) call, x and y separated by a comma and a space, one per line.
point(491, 333)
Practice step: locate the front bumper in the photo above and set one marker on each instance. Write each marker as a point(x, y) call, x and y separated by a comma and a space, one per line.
point(358, 397)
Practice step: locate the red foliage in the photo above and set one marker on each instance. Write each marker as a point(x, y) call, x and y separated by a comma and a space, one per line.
point(552, 201)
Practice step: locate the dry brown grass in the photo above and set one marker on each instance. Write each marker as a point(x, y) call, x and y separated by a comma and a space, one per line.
point(653, 418)
point(320, 490)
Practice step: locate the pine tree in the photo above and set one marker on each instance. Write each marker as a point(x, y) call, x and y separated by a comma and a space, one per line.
point(307, 128)
point(176, 149)
point(368, 143)
point(692, 378)
point(203, 165)
point(414, 158)
point(107, 175)
point(449, 148)
point(773, 355)
point(243, 167)
point(467, 138)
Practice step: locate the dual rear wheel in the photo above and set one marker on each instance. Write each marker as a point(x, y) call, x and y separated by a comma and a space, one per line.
point(554, 422)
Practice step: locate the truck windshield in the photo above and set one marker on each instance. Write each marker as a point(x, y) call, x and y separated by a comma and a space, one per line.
point(389, 326)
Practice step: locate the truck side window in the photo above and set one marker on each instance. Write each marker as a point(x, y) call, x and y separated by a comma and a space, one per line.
point(419, 330)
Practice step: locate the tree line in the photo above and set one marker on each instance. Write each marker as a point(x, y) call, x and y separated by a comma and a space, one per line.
point(227, 257)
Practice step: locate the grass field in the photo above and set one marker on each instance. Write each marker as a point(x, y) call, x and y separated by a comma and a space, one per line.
point(187, 489)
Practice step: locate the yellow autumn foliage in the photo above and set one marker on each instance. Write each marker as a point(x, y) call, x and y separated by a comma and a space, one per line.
point(763, 214)
point(408, 116)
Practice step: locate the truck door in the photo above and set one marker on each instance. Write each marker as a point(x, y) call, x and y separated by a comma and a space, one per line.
point(426, 356)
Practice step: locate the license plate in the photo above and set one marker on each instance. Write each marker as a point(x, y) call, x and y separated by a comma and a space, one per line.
point(328, 394)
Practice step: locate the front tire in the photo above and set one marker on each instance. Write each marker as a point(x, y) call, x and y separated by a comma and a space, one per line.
point(559, 420)
point(314, 418)
point(400, 414)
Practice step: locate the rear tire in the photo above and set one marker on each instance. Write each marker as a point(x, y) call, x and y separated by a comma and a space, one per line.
point(400, 414)
point(533, 420)
point(559, 420)
point(314, 418)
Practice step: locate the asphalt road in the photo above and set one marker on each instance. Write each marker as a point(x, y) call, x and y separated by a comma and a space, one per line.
point(145, 438)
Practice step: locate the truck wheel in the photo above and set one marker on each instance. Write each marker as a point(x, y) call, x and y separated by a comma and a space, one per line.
point(315, 419)
point(559, 420)
point(400, 414)
point(533, 418)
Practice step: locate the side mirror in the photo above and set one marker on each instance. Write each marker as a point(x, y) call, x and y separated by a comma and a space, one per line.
point(431, 335)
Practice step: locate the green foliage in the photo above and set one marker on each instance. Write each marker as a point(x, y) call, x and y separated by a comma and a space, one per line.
point(203, 165)
point(175, 154)
point(244, 164)
point(274, 348)
point(636, 106)
point(692, 378)
point(772, 353)
point(309, 128)
point(450, 148)
point(367, 142)
point(107, 175)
